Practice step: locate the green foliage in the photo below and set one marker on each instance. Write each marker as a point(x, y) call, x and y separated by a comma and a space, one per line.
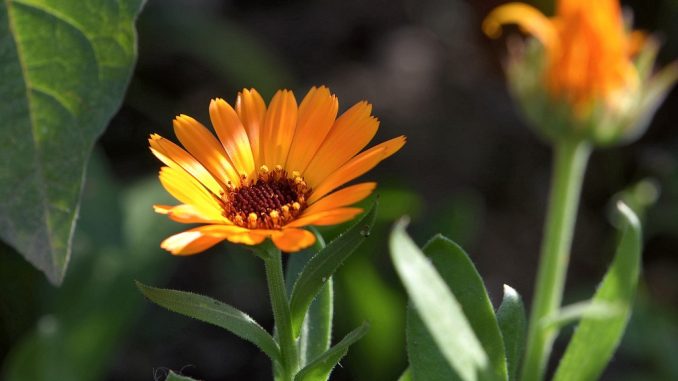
point(64, 69)
point(214, 312)
point(439, 310)
point(80, 329)
point(595, 338)
point(177, 377)
point(513, 325)
point(319, 369)
point(316, 332)
point(323, 265)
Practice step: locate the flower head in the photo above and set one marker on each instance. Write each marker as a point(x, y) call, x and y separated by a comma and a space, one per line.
point(589, 74)
point(269, 171)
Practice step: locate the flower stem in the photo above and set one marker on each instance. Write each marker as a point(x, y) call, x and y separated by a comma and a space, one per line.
point(281, 310)
point(571, 157)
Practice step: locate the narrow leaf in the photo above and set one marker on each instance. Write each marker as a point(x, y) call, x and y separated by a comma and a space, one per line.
point(177, 377)
point(321, 367)
point(214, 312)
point(64, 69)
point(438, 308)
point(323, 265)
point(513, 325)
point(316, 331)
point(595, 340)
point(577, 311)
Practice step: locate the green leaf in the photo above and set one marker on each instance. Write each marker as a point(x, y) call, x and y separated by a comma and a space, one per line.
point(595, 340)
point(513, 325)
point(214, 312)
point(323, 265)
point(64, 67)
point(438, 308)
point(321, 367)
point(316, 331)
point(577, 311)
point(177, 377)
point(406, 376)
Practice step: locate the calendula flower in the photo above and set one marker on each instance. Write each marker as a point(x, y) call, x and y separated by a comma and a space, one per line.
point(590, 75)
point(268, 172)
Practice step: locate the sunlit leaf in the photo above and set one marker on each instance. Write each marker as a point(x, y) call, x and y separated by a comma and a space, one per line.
point(595, 340)
point(322, 266)
point(214, 312)
point(177, 377)
point(438, 308)
point(513, 324)
point(64, 67)
point(319, 369)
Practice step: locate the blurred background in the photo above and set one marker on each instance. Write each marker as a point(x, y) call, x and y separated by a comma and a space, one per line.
point(471, 170)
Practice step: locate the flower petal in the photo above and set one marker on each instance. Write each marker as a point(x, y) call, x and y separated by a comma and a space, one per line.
point(202, 238)
point(188, 190)
point(232, 135)
point(357, 166)
point(343, 197)
point(328, 217)
point(278, 130)
point(251, 109)
point(174, 156)
point(527, 17)
point(200, 143)
point(350, 133)
point(317, 113)
point(187, 214)
point(291, 240)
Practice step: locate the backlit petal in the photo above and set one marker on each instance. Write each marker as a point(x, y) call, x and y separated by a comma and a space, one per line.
point(251, 109)
point(291, 240)
point(327, 217)
point(343, 197)
point(278, 130)
point(317, 113)
point(188, 190)
point(527, 17)
point(357, 166)
point(232, 135)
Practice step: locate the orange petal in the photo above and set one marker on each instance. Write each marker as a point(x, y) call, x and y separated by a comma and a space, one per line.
point(278, 130)
point(187, 214)
point(202, 238)
point(343, 197)
point(233, 137)
point(317, 113)
point(206, 148)
point(251, 109)
point(350, 133)
point(527, 17)
point(188, 190)
point(291, 240)
point(328, 217)
point(174, 156)
point(357, 166)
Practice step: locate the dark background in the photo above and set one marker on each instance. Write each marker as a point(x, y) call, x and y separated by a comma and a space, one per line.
point(471, 170)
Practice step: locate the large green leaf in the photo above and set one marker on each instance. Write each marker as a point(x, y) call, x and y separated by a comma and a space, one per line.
point(214, 312)
point(316, 332)
point(320, 368)
point(64, 66)
point(513, 324)
point(461, 277)
point(322, 266)
point(595, 338)
point(439, 309)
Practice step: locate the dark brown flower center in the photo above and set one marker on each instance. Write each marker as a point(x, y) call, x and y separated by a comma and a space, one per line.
point(270, 201)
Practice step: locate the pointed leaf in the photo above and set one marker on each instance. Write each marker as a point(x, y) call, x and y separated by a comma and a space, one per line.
point(595, 340)
point(316, 331)
point(513, 324)
point(321, 367)
point(214, 312)
point(438, 308)
point(177, 377)
point(64, 69)
point(323, 265)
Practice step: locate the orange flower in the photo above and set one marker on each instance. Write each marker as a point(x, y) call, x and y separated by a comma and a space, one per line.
point(588, 49)
point(270, 172)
